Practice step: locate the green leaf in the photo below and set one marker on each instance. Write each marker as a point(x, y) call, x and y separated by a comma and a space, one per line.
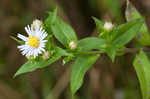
point(142, 66)
point(18, 41)
point(33, 65)
point(90, 43)
point(126, 32)
point(80, 67)
point(131, 14)
point(50, 44)
point(115, 8)
point(63, 32)
point(111, 52)
point(144, 39)
point(99, 25)
point(50, 20)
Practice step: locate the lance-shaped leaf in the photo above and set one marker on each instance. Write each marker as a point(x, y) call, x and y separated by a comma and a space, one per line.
point(142, 66)
point(126, 32)
point(33, 65)
point(99, 25)
point(63, 32)
point(90, 43)
point(18, 41)
point(111, 52)
point(115, 8)
point(50, 20)
point(131, 14)
point(80, 67)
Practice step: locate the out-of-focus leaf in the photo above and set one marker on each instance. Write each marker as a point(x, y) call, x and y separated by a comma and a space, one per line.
point(50, 20)
point(90, 43)
point(114, 7)
point(18, 41)
point(126, 32)
point(142, 66)
point(99, 25)
point(33, 65)
point(132, 14)
point(80, 67)
point(63, 32)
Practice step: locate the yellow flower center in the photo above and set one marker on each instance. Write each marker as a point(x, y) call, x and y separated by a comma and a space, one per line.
point(33, 41)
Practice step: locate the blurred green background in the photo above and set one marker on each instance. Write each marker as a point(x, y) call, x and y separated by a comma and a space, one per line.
point(103, 81)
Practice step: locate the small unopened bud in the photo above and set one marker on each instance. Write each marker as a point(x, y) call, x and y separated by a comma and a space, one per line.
point(46, 56)
point(30, 58)
point(36, 24)
point(73, 45)
point(108, 26)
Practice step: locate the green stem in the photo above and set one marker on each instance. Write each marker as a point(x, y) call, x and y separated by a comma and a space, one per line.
point(126, 50)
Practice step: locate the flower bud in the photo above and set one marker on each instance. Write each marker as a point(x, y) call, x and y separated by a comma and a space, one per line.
point(108, 26)
point(30, 57)
point(72, 45)
point(36, 24)
point(46, 56)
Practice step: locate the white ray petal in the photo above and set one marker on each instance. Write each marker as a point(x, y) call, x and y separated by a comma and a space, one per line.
point(22, 37)
point(28, 30)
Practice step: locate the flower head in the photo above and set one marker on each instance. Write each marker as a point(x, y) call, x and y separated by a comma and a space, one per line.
point(108, 26)
point(34, 43)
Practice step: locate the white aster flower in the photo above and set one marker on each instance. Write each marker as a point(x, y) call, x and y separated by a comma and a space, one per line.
point(34, 43)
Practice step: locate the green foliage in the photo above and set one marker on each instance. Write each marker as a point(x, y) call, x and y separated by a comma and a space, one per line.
point(62, 31)
point(110, 42)
point(33, 65)
point(80, 67)
point(126, 32)
point(111, 52)
point(123, 34)
point(142, 66)
point(116, 38)
point(47, 23)
point(67, 59)
point(50, 44)
point(50, 20)
point(114, 7)
point(52, 17)
point(18, 41)
point(91, 43)
point(99, 24)
point(132, 14)
point(144, 39)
